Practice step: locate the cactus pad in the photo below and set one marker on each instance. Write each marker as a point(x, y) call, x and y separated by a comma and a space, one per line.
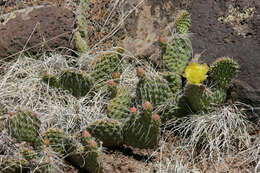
point(12, 164)
point(57, 140)
point(183, 22)
point(103, 66)
point(142, 130)
point(177, 54)
point(78, 83)
point(108, 131)
point(223, 70)
point(24, 125)
point(153, 89)
point(87, 155)
point(118, 107)
point(198, 97)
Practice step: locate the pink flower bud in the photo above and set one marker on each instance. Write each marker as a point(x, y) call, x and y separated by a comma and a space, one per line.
point(111, 83)
point(155, 117)
point(115, 75)
point(147, 105)
point(86, 134)
point(140, 71)
point(92, 143)
point(133, 110)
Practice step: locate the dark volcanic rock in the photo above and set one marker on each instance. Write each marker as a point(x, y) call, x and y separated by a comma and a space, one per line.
point(216, 39)
point(36, 29)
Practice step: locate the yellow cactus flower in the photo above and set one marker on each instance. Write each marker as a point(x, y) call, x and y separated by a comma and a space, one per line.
point(196, 73)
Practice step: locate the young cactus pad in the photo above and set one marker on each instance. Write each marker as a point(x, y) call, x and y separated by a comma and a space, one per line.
point(118, 107)
point(24, 125)
point(142, 130)
point(223, 70)
point(183, 22)
point(108, 131)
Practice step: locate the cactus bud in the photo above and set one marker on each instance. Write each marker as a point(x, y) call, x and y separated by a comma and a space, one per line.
point(133, 110)
point(86, 134)
point(92, 143)
point(140, 72)
point(147, 106)
point(111, 83)
point(115, 75)
point(155, 117)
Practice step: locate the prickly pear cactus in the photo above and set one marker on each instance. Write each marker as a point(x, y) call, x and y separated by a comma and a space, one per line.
point(142, 130)
point(87, 155)
point(177, 54)
point(152, 89)
point(103, 66)
point(78, 83)
point(13, 164)
point(57, 140)
point(80, 35)
point(108, 131)
point(223, 70)
point(118, 107)
point(24, 125)
point(183, 22)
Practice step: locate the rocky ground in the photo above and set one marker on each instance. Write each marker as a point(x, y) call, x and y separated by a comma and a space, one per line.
point(219, 28)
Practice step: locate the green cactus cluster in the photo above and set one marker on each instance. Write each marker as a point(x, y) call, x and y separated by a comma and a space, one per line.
point(202, 97)
point(157, 98)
